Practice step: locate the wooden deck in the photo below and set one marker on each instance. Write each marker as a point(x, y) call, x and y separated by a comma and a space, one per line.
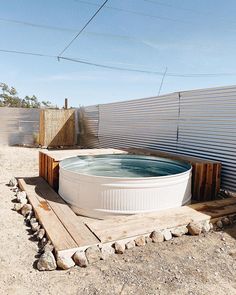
point(49, 161)
point(205, 173)
point(69, 232)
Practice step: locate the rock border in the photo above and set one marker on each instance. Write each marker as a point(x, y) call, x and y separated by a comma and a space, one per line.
point(49, 261)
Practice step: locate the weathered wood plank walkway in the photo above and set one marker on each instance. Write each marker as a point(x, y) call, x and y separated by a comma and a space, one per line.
point(69, 232)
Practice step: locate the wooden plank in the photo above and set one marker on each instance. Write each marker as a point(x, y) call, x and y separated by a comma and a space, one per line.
point(56, 232)
point(59, 155)
point(205, 187)
point(78, 230)
point(117, 228)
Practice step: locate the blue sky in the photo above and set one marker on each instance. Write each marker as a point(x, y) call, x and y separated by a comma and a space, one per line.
point(185, 36)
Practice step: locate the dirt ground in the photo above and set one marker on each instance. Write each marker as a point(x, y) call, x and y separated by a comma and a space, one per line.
point(186, 265)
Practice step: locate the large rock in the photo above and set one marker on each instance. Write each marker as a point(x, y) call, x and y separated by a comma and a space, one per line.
point(26, 209)
point(119, 247)
point(65, 262)
point(219, 224)
point(17, 206)
point(47, 246)
point(179, 231)
point(12, 182)
point(106, 251)
point(194, 228)
point(140, 241)
point(157, 236)
point(130, 245)
point(47, 262)
point(41, 233)
point(206, 226)
point(225, 221)
point(167, 234)
point(35, 227)
point(80, 259)
point(21, 197)
point(93, 254)
point(148, 240)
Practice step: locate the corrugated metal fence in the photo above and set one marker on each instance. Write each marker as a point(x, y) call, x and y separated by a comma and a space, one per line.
point(18, 126)
point(198, 123)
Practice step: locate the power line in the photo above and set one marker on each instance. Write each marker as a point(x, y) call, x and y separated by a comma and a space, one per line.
point(199, 12)
point(86, 62)
point(87, 23)
point(65, 29)
point(137, 13)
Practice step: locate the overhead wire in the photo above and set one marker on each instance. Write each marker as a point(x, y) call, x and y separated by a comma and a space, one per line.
point(136, 12)
point(83, 28)
point(111, 67)
point(199, 12)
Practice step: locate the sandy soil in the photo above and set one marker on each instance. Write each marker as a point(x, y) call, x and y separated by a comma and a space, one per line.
point(186, 265)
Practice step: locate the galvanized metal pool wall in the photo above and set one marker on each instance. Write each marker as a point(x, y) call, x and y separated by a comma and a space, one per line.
point(197, 123)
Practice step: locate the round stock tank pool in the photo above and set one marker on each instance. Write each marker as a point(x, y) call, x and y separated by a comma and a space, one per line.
point(97, 186)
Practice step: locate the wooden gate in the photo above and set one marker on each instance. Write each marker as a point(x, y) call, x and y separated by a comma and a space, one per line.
point(57, 128)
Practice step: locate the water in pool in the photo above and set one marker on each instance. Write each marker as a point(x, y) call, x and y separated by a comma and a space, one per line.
point(124, 166)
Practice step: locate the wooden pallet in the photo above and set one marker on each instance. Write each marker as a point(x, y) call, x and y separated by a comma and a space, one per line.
point(49, 161)
point(69, 232)
point(206, 174)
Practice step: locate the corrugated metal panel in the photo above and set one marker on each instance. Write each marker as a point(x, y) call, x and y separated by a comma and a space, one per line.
point(199, 123)
point(90, 122)
point(18, 125)
point(149, 122)
point(207, 128)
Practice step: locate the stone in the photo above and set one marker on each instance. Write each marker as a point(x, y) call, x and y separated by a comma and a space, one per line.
point(41, 233)
point(12, 182)
point(167, 234)
point(26, 209)
point(179, 231)
point(194, 228)
point(65, 262)
point(15, 189)
point(119, 248)
point(29, 216)
point(106, 251)
point(157, 236)
point(206, 227)
point(140, 241)
point(80, 259)
point(225, 221)
point(17, 206)
point(33, 220)
point(219, 224)
point(21, 197)
point(93, 254)
point(130, 245)
point(48, 246)
point(47, 262)
point(35, 227)
point(148, 240)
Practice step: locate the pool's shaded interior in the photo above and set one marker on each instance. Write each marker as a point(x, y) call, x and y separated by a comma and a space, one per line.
point(124, 166)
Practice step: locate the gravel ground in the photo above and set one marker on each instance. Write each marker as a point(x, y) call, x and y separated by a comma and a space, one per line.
point(186, 265)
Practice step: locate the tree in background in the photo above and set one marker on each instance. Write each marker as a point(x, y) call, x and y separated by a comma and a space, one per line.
point(9, 98)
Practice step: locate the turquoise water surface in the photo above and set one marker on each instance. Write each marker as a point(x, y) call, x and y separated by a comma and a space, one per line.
point(124, 166)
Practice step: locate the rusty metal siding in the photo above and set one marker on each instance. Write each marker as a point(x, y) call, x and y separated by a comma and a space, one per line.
point(18, 126)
